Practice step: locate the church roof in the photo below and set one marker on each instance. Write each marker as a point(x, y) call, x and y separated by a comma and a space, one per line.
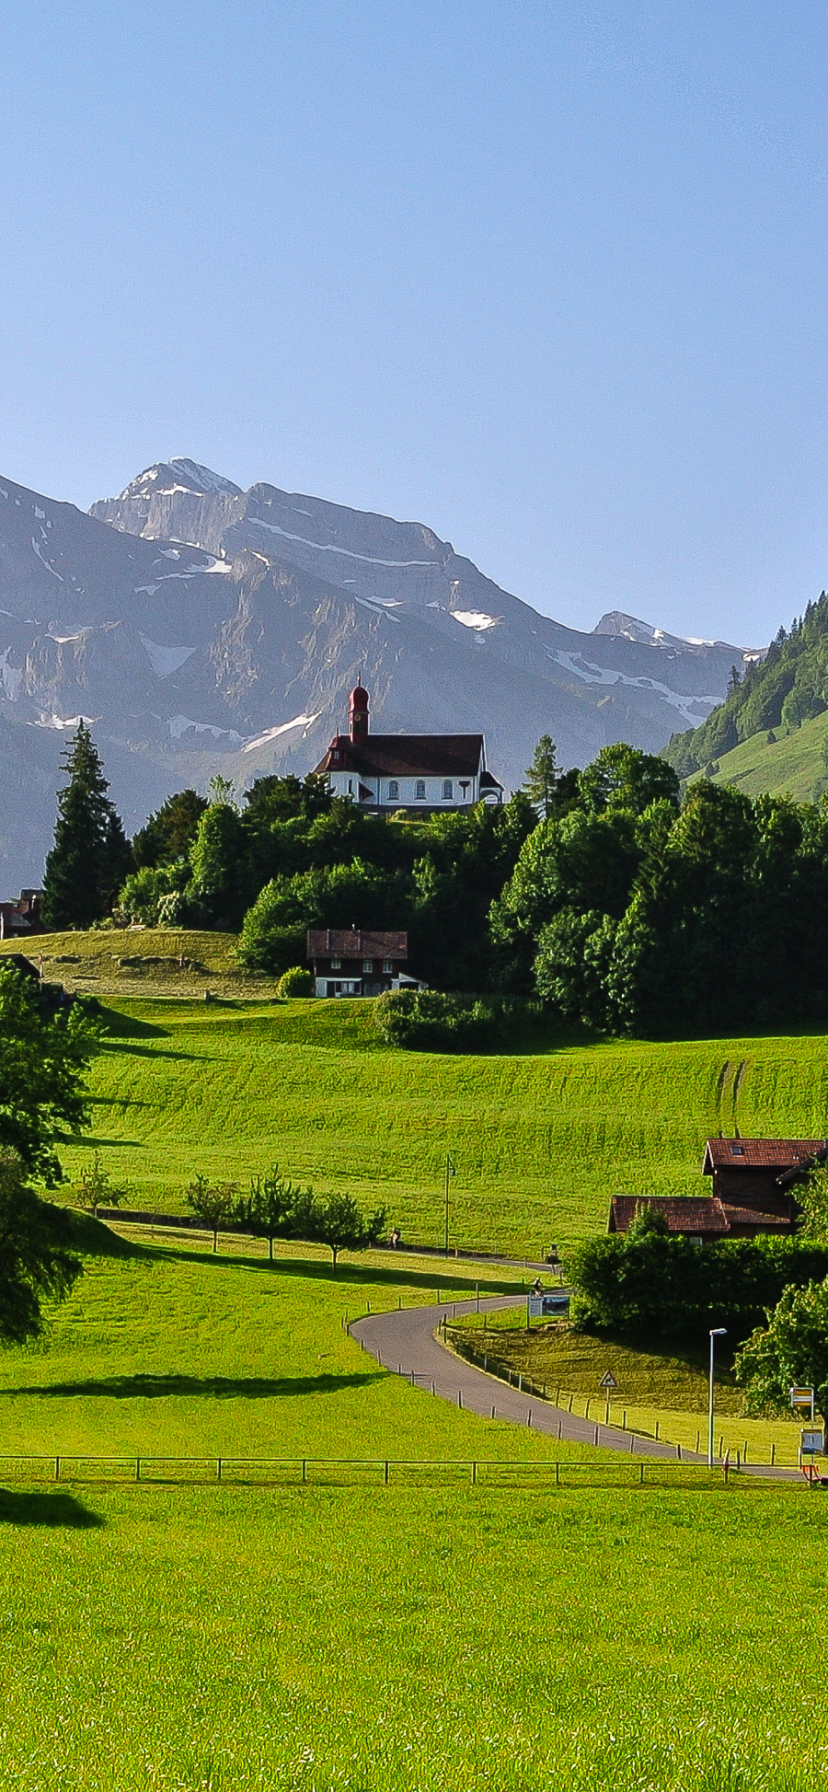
point(408, 756)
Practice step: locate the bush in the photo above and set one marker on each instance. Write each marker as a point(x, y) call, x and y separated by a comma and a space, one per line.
point(295, 982)
point(427, 1021)
point(652, 1281)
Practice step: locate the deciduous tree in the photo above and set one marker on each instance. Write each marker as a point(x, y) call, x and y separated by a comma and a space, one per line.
point(43, 1061)
point(37, 1263)
point(791, 1350)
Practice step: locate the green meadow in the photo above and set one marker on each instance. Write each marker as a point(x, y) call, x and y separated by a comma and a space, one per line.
point(401, 1639)
point(539, 1142)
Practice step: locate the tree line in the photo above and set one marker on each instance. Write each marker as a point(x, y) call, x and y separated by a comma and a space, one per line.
point(605, 894)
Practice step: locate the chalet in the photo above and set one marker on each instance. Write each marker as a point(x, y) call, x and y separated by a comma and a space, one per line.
point(21, 918)
point(353, 962)
point(423, 773)
point(753, 1190)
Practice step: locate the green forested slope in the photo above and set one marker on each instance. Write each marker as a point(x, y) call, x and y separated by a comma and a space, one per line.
point(776, 697)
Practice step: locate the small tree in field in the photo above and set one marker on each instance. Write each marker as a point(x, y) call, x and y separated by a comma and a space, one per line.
point(268, 1210)
point(336, 1221)
point(213, 1202)
point(792, 1351)
point(95, 1187)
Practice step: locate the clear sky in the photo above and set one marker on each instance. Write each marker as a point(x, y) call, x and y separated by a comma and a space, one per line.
point(549, 275)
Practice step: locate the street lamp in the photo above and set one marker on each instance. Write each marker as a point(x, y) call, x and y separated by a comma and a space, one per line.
point(720, 1331)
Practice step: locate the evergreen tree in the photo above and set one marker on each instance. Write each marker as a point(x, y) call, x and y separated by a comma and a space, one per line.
point(541, 780)
point(91, 855)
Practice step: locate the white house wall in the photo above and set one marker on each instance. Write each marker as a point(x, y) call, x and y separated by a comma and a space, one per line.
point(406, 792)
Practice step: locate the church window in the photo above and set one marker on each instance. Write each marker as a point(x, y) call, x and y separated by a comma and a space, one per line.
point(448, 789)
point(393, 791)
point(419, 791)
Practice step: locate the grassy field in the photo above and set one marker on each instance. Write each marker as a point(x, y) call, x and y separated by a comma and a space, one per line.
point(231, 1641)
point(792, 765)
point(426, 1639)
point(144, 961)
point(539, 1142)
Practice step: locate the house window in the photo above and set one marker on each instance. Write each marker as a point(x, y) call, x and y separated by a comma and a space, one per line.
point(393, 791)
point(350, 786)
point(336, 964)
point(387, 967)
point(367, 965)
point(419, 791)
point(448, 788)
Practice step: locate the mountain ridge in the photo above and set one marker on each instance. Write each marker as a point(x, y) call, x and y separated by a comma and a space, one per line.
point(202, 628)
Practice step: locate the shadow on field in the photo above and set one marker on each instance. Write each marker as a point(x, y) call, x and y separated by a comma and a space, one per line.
point(119, 1046)
point(350, 1275)
point(127, 1026)
point(162, 1387)
point(26, 1506)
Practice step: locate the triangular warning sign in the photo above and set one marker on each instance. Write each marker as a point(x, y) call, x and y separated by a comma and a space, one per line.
point(608, 1380)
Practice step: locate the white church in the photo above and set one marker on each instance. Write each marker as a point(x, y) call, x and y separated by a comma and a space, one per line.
point(426, 772)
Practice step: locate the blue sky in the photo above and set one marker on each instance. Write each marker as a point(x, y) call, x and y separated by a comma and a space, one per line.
point(548, 277)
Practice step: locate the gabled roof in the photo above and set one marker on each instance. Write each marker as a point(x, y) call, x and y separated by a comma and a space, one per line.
point(761, 1154)
point(683, 1213)
point(407, 755)
point(352, 942)
point(702, 1216)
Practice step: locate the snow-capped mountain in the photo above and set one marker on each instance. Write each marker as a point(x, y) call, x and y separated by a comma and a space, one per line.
point(202, 627)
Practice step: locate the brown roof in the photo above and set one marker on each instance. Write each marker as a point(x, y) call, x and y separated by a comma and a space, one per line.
point(683, 1213)
point(338, 942)
point(407, 755)
point(763, 1154)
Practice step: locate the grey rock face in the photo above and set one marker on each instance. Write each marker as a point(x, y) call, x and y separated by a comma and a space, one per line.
point(200, 627)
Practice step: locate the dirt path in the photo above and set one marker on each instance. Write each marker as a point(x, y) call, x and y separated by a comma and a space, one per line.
point(404, 1342)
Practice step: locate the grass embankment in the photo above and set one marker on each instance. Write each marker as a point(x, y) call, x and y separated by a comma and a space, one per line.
point(152, 961)
point(539, 1142)
point(657, 1394)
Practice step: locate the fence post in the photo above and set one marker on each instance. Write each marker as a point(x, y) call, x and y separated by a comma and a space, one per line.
point(596, 1437)
point(656, 1431)
point(474, 1474)
point(304, 1470)
point(773, 1455)
point(560, 1429)
point(678, 1452)
point(218, 1469)
point(641, 1474)
point(494, 1410)
point(137, 1468)
point(528, 1415)
point(460, 1398)
point(386, 1474)
point(57, 1468)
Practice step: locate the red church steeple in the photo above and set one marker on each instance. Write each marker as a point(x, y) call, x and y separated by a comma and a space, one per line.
point(358, 713)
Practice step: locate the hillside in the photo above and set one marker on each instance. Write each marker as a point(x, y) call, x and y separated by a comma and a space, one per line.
point(540, 1140)
point(772, 702)
point(203, 629)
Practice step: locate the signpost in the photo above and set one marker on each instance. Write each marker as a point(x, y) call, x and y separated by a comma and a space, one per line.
point(547, 1306)
point(607, 1382)
point(802, 1400)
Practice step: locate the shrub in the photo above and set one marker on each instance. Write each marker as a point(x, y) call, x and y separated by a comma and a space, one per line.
point(296, 982)
point(428, 1021)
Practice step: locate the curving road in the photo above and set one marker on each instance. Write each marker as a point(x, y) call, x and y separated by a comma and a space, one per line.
point(404, 1342)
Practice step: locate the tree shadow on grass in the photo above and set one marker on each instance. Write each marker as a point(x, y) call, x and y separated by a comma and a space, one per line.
point(119, 1046)
point(160, 1387)
point(350, 1274)
point(29, 1506)
point(128, 1026)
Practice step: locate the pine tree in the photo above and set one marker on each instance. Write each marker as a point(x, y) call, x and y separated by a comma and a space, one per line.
point(90, 856)
point(541, 780)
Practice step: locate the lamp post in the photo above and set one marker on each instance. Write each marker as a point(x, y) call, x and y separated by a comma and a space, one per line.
point(720, 1331)
point(449, 1172)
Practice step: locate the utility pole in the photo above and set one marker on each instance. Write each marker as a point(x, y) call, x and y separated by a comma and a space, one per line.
point(449, 1172)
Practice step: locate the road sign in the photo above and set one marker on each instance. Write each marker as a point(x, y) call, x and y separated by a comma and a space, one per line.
point(608, 1380)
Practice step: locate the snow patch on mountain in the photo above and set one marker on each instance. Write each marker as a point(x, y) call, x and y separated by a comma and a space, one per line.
point(165, 660)
point(476, 619)
point(330, 547)
point(179, 725)
point(261, 740)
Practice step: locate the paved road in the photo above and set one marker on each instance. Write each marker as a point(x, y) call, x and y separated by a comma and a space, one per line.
point(404, 1342)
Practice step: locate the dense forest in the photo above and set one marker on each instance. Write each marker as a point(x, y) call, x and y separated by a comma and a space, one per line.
point(602, 894)
point(778, 693)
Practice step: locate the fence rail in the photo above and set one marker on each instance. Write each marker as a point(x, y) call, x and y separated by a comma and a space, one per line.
point(299, 1471)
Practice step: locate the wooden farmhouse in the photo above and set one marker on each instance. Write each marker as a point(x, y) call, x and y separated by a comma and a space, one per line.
point(353, 962)
point(754, 1183)
point(425, 773)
